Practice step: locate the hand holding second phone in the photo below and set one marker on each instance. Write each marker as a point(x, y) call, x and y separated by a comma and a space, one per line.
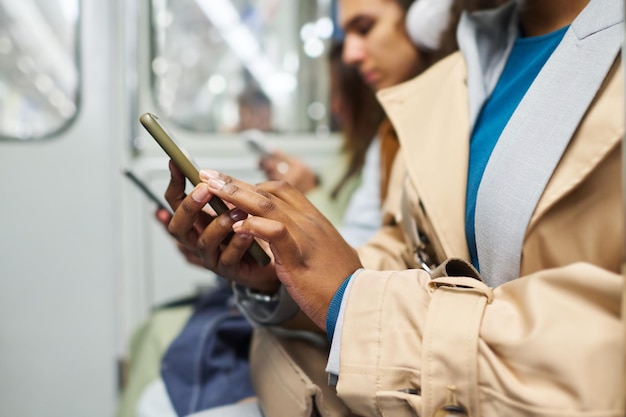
point(310, 256)
point(210, 238)
point(281, 167)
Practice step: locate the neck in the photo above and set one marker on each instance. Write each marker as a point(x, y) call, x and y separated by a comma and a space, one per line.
point(539, 17)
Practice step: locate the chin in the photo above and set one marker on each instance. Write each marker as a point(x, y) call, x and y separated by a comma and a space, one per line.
point(381, 85)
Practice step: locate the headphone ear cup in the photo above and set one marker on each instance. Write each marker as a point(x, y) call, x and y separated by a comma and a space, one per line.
point(426, 20)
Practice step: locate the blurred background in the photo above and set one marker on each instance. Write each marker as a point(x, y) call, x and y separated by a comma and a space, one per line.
point(83, 261)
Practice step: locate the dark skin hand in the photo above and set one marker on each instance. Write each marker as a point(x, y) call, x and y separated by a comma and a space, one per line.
point(311, 259)
point(211, 238)
point(299, 322)
point(163, 216)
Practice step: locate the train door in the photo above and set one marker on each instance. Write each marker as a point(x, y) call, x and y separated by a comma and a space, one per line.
point(60, 89)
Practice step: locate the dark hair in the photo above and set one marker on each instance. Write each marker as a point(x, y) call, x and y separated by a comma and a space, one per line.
point(405, 4)
point(361, 113)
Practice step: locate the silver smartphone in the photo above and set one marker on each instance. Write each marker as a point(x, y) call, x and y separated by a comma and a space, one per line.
point(183, 162)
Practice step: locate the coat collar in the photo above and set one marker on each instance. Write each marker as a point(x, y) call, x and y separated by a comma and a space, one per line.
point(435, 148)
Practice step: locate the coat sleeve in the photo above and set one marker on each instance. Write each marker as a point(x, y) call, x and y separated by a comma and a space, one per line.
point(545, 344)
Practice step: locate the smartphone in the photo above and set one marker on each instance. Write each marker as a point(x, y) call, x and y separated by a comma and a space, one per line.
point(147, 192)
point(190, 171)
point(256, 141)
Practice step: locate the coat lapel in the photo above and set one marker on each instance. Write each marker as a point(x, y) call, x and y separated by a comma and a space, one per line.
point(597, 135)
point(537, 134)
point(436, 158)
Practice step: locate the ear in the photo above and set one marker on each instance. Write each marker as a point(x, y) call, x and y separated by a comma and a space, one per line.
point(426, 20)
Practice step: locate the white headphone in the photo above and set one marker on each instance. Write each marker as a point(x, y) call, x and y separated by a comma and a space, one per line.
point(426, 20)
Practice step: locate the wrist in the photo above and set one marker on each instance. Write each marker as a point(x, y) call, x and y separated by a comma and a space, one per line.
point(261, 296)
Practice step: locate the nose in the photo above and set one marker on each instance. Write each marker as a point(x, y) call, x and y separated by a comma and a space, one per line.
point(353, 50)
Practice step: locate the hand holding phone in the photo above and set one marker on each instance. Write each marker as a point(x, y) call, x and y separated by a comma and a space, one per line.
point(190, 171)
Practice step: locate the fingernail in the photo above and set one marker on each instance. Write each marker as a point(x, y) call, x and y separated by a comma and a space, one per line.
point(200, 193)
point(212, 178)
point(207, 174)
point(237, 226)
point(216, 184)
point(238, 214)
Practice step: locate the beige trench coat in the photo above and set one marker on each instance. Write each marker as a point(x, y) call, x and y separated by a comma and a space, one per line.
point(548, 343)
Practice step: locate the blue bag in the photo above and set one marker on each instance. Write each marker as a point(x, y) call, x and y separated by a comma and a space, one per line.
point(207, 364)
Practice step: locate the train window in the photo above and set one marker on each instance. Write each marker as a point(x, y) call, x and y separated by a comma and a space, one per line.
point(38, 67)
point(230, 65)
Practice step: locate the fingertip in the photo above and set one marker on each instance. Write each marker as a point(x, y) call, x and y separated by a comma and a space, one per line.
point(163, 215)
point(200, 193)
point(237, 226)
point(173, 168)
point(239, 231)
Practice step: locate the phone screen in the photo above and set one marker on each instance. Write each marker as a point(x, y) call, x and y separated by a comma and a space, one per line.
point(184, 163)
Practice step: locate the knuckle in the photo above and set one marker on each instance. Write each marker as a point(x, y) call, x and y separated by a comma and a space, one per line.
point(227, 264)
point(280, 230)
point(229, 187)
point(173, 197)
point(202, 244)
point(261, 191)
point(276, 187)
point(207, 264)
point(267, 205)
point(240, 243)
point(186, 207)
point(171, 229)
point(282, 185)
